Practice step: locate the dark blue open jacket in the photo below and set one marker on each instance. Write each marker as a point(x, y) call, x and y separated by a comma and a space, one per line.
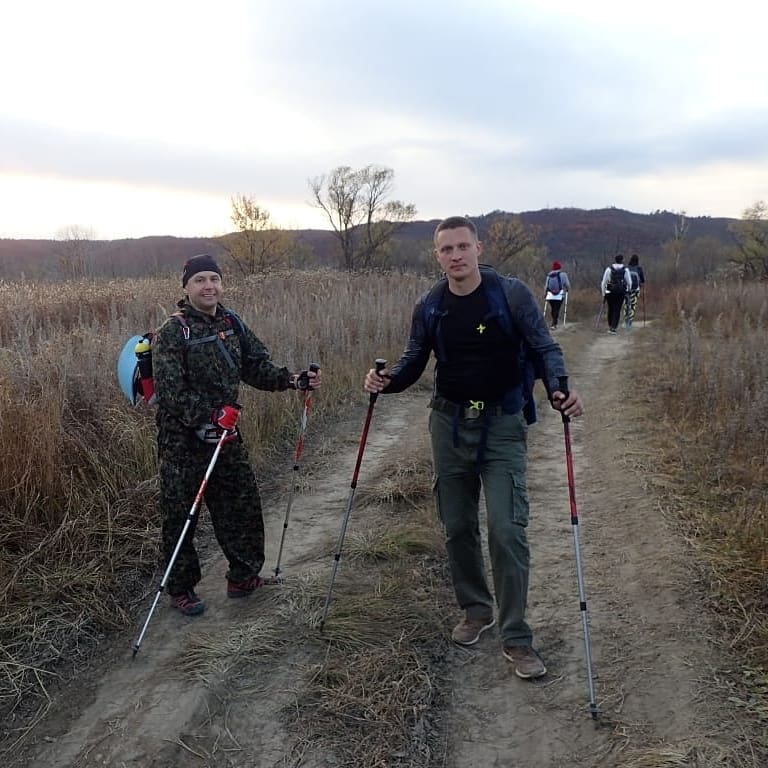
point(519, 315)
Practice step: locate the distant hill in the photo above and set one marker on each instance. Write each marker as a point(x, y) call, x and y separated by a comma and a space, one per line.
point(575, 233)
point(569, 234)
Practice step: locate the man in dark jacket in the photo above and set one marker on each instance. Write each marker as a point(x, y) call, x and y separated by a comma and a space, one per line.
point(200, 355)
point(479, 430)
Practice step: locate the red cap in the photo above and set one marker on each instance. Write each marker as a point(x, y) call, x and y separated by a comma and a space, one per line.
point(556, 265)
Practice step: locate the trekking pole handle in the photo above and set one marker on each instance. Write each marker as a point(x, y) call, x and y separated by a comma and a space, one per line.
point(562, 385)
point(380, 365)
point(303, 382)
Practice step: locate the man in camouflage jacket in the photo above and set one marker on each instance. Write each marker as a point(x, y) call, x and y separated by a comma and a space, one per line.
point(200, 355)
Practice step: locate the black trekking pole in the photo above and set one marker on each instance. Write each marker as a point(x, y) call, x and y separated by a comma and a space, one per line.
point(642, 291)
point(599, 313)
point(380, 365)
point(297, 458)
point(577, 547)
point(190, 518)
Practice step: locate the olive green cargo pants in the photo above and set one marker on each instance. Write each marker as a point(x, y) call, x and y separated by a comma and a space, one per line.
point(490, 450)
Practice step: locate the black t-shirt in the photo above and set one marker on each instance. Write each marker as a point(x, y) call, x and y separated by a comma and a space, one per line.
point(480, 363)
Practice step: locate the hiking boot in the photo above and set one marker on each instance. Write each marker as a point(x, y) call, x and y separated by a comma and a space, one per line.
point(243, 588)
point(188, 603)
point(468, 631)
point(528, 663)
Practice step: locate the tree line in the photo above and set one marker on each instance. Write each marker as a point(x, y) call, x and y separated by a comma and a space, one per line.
point(366, 225)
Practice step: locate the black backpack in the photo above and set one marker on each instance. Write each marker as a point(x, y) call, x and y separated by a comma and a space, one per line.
point(617, 282)
point(635, 277)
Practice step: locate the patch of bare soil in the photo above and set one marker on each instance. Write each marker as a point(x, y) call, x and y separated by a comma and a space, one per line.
point(651, 657)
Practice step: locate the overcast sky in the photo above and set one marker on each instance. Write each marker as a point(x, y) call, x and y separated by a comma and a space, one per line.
point(145, 118)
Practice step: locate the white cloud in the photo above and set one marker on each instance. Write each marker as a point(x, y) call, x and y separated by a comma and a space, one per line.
point(147, 117)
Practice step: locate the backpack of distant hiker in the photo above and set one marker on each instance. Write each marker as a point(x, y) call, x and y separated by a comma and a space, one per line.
point(554, 283)
point(134, 365)
point(635, 277)
point(617, 282)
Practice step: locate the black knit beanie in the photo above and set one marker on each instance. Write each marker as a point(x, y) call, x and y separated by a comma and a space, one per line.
point(201, 263)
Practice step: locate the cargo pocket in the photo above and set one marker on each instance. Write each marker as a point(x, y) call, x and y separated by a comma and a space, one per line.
point(519, 506)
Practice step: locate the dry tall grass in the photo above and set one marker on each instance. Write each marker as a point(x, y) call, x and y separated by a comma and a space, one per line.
point(709, 384)
point(78, 529)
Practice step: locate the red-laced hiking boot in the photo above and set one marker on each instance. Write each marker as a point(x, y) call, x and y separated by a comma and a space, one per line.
point(188, 603)
point(528, 663)
point(468, 631)
point(244, 588)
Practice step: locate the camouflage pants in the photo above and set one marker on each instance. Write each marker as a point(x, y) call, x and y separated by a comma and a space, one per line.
point(630, 308)
point(233, 502)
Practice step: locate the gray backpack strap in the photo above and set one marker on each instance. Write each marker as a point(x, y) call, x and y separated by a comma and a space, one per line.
point(218, 338)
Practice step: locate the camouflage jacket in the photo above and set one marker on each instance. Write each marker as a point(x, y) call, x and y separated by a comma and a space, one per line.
point(194, 377)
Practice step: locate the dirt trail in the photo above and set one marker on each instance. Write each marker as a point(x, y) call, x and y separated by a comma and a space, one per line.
point(648, 649)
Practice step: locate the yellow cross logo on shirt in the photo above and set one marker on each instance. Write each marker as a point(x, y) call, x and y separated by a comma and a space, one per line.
point(480, 328)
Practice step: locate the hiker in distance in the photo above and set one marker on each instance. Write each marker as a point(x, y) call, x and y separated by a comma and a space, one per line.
point(637, 280)
point(478, 323)
point(200, 355)
point(557, 286)
point(614, 287)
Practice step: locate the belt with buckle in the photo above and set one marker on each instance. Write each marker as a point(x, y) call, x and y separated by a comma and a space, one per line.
point(469, 409)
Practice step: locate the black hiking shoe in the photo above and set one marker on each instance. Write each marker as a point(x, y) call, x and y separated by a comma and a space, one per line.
point(188, 603)
point(244, 588)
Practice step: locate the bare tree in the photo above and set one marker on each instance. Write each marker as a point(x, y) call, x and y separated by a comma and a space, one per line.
point(506, 237)
point(75, 251)
point(258, 244)
point(511, 246)
point(364, 220)
point(751, 236)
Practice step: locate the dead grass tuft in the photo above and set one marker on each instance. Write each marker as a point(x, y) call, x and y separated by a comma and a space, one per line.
point(370, 708)
point(394, 543)
point(402, 483)
point(690, 755)
point(217, 656)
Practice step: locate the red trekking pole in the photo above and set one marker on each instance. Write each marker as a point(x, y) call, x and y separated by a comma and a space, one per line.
point(297, 458)
point(577, 547)
point(380, 365)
